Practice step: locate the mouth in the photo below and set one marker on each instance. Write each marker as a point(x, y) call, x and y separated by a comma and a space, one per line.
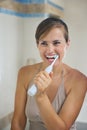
point(51, 58)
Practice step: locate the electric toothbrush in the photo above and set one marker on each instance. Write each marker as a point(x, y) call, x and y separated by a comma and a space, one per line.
point(33, 89)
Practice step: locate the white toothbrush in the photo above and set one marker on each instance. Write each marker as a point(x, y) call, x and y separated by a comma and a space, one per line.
point(33, 89)
point(50, 67)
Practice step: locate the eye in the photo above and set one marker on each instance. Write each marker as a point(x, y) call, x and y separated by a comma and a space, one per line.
point(43, 43)
point(56, 42)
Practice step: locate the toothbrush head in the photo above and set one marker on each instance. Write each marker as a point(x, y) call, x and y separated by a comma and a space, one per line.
point(55, 58)
point(49, 68)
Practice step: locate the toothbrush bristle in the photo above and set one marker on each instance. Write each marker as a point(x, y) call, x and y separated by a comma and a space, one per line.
point(55, 56)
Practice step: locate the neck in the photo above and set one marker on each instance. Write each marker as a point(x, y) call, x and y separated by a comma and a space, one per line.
point(57, 69)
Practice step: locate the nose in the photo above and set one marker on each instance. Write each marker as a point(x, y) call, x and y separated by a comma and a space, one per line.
point(50, 48)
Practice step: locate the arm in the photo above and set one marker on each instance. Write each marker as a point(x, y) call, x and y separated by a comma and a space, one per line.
point(70, 108)
point(19, 118)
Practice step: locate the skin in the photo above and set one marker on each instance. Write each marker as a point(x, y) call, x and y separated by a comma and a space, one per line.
point(75, 84)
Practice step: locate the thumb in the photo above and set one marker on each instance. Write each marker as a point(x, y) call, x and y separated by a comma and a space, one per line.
point(51, 74)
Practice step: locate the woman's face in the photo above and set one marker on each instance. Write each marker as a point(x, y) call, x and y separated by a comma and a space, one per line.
point(53, 44)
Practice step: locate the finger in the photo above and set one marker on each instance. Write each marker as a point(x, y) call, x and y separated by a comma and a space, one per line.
point(51, 74)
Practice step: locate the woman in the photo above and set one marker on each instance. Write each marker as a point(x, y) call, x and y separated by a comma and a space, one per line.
point(60, 94)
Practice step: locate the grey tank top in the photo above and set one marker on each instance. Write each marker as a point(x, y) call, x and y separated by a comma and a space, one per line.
point(32, 111)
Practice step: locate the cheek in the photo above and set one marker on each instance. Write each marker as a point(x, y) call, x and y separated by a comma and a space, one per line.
point(60, 49)
point(41, 51)
point(63, 48)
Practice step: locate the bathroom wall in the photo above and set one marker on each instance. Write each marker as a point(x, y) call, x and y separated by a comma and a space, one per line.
point(11, 51)
point(76, 18)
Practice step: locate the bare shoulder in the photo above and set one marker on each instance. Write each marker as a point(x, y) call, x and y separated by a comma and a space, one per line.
point(75, 79)
point(26, 73)
point(75, 83)
point(80, 80)
point(29, 69)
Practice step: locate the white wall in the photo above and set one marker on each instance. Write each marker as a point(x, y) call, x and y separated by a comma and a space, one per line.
point(11, 46)
point(76, 17)
point(30, 48)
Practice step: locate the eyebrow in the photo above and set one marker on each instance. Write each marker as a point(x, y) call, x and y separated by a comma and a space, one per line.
point(56, 41)
point(50, 41)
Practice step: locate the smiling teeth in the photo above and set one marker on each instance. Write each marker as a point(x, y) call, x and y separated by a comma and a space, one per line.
point(52, 56)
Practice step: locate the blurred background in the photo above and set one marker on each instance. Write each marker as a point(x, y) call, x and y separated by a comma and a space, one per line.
point(18, 22)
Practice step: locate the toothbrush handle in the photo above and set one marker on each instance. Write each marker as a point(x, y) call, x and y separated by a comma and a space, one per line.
point(32, 90)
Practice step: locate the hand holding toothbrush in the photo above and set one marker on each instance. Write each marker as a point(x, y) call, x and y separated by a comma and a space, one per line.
point(32, 91)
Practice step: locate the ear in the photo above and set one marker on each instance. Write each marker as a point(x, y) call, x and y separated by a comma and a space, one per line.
point(68, 44)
